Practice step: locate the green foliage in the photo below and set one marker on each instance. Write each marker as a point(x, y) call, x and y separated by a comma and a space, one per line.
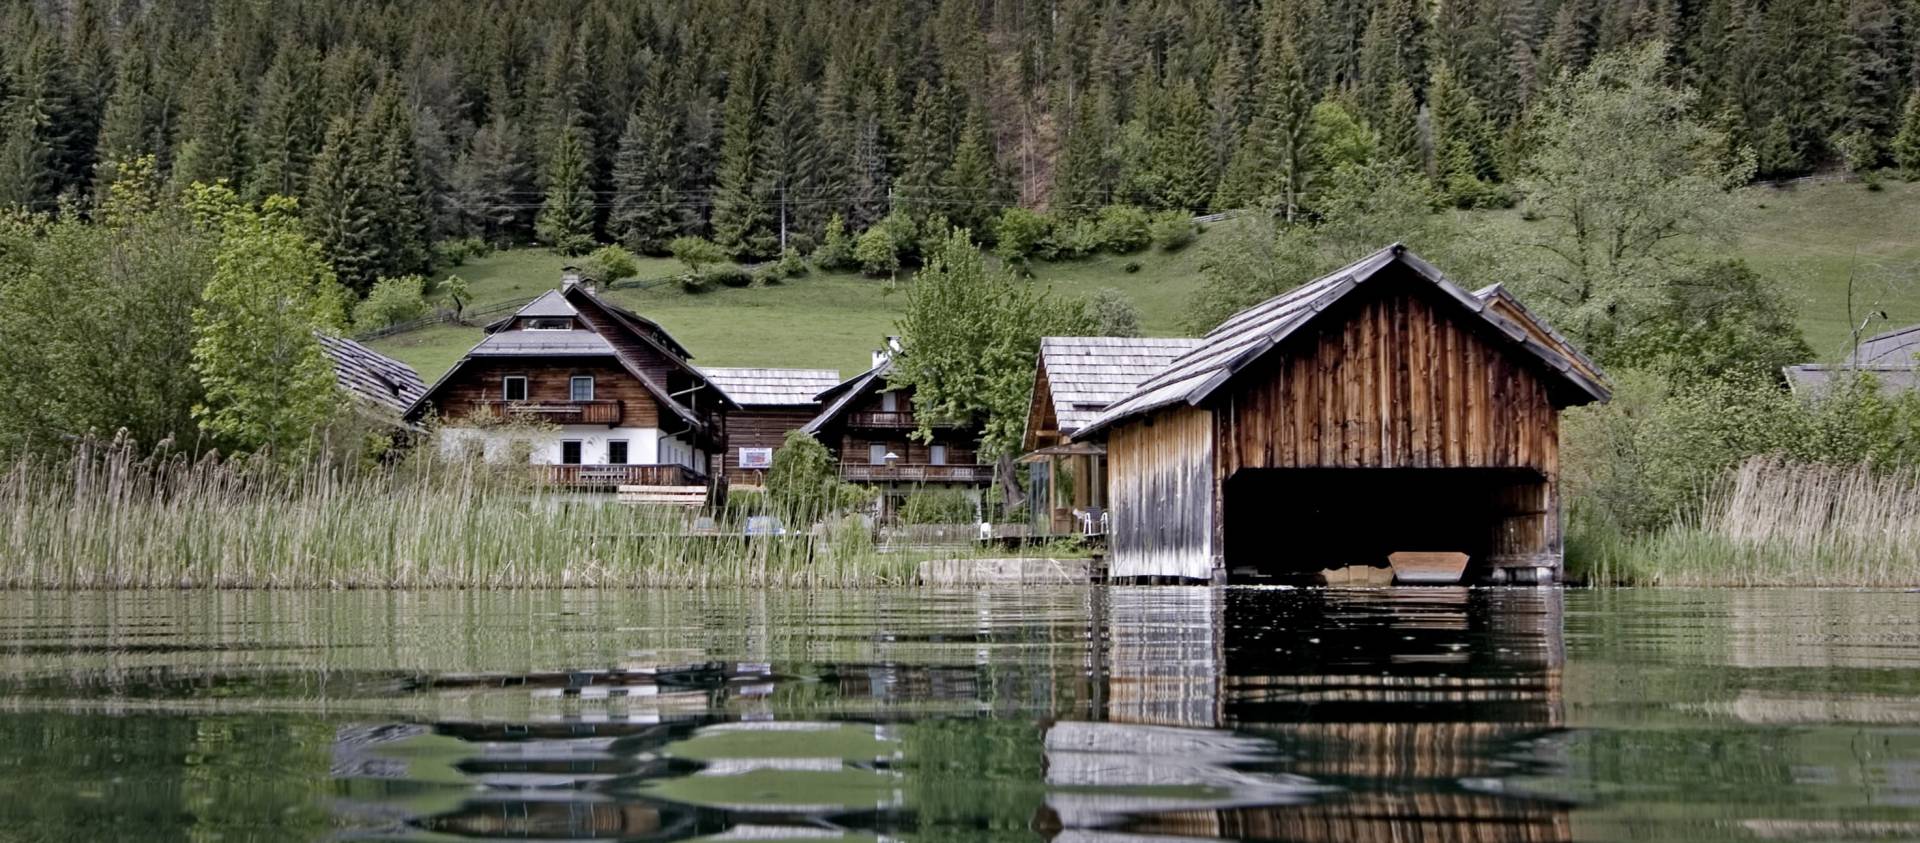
point(455, 251)
point(1906, 144)
point(879, 249)
point(391, 302)
point(937, 506)
point(1173, 230)
point(790, 265)
point(609, 264)
point(696, 252)
point(970, 337)
point(1020, 233)
point(804, 485)
point(836, 247)
point(565, 223)
point(457, 293)
point(725, 275)
point(1124, 229)
point(1113, 314)
point(268, 385)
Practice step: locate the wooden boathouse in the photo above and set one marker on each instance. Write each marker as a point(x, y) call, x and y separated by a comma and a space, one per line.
point(1380, 408)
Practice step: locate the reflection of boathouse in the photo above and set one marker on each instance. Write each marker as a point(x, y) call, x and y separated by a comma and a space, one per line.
point(1376, 710)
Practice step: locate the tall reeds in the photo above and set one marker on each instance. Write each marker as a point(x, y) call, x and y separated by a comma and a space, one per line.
point(110, 517)
point(1774, 522)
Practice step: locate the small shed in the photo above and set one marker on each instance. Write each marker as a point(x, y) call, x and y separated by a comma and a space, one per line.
point(1380, 408)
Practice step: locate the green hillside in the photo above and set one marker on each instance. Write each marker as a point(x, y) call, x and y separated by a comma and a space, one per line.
point(1810, 238)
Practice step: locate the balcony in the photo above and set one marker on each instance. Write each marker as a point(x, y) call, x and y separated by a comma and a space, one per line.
point(917, 473)
point(884, 420)
point(555, 412)
point(614, 476)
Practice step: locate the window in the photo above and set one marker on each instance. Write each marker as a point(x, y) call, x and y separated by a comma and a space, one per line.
point(890, 402)
point(549, 324)
point(617, 452)
point(570, 452)
point(937, 455)
point(876, 455)
point(582, 387)
point(514, 388)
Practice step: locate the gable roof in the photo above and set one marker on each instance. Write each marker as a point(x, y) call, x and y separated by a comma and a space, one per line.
point(550, 304)
point(841, 395)
point(1898, 347)
point(371, 376)
point(1247, 336)
point(773, 387)
point(1085, 375)
point(1815, 379)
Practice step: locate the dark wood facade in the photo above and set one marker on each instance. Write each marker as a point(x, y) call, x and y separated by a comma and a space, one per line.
point(474, 393)
point(864, 422)
point(1375, 410)
point(760, 427)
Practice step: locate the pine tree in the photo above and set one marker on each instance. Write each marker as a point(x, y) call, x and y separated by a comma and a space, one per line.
point(490, 182)
point(287, 128)
point(1463, 143)
point(1906, 144)
point(972, 181)
point(131, 126)
point(928, 154)
point(1869, 95)
point(566, 216)
point(1400, 129)
point(742, 196)
point(338, 210)
point(1182, 161)
point(213, 143)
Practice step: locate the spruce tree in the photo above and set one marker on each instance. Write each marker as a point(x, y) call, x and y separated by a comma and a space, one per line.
point(1182, 163)
point(1869, 95)
point(566, 216)
point(926, 157)
point(1079, 184)
point(1906, 143)
point(1400, 129)
point(648, 209)
point(338, 210)
point(490, 182)
point(1463, 143)
point(287, 127)
point(213, 143)
point(972, 181)
point(742, 222)
point(789, 152)
point(398, 199)
point(131, 126)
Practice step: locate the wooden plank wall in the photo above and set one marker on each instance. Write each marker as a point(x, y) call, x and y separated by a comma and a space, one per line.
point(549, 380)
point(760, 427)
point(1161, 483)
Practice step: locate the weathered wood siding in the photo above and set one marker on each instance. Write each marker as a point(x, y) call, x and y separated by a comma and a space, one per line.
point(1162, 485)
point(1396, 384)
point(548, 381)
point(760, 427)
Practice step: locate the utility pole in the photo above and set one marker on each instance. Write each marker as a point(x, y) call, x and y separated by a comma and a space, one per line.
point(783, 219)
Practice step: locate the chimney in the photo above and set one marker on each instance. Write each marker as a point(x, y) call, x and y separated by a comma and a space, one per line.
point(569, 277)
point(886, 351)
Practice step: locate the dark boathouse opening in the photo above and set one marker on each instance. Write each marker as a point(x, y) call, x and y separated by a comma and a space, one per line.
point(1291, 523)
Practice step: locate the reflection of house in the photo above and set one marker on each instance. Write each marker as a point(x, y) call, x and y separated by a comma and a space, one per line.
point(1450, 401)
point(594, 393)
point(773, 402)
point(377, 381)
point(1076, 379)
point(1892, 359)
point(870, 427)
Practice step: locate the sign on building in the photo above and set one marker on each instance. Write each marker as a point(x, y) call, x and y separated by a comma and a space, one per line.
point(756, 457)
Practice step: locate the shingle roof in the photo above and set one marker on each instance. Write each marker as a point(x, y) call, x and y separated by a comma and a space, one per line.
point(773, 387)
point(1250, 334)
point(372, 376)
point(1897, 347)
point(843, 394)
point(577, 343)
point(1085, 375)
point(1814, 380)
point(550, 303)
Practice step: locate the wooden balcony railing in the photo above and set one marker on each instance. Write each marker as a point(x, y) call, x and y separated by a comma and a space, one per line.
point(882, 419)
point(557, 412)
point(917, 473)
point(612, 476)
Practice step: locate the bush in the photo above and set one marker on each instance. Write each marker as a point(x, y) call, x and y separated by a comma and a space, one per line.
point(1113, 314)
point(836, 247)
point(458, 250)
point(877, 252)
point(938, 506)
point(1020, 233)
point(1130, 267)
point(804, 485)
point(692, 283)
point(1124, 229)
point(790, 265)
point(696, 252)
point(727, 275)
point(1173, 230)
point(609, 264)
point(744, 504)
point(391, 302)
point(1076, 239)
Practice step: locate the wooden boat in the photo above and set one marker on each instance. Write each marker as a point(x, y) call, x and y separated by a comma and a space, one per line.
point(1363, 576)
point(1427, 567)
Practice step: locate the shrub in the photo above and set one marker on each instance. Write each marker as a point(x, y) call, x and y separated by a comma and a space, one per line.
point(1113, 314)
point(1021, 233)
point(1124, 229)
point(696, 252)
point(391, 302)
point(1130, 267)
point(692, 283)
point(727, 275)
point(458, 250)
point(608, 264)
point(745, 503)
point(790, 265)
point(937, 506)
point(1076, 239)
point(836, 247)
point(1173, 230)
point(804, 485)
point(877, 252)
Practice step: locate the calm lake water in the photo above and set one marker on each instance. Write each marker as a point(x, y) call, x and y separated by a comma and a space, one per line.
point(1145, 714)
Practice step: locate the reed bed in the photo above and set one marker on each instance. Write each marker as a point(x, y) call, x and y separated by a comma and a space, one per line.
point(1772, 522)
point(108, 517)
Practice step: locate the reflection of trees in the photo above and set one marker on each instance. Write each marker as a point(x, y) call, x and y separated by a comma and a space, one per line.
point(969, 778)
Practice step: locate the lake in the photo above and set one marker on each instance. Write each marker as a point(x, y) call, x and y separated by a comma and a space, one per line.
point(1078, 715)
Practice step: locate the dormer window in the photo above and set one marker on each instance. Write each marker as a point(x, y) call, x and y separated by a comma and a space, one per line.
point(549, 323)
point(513, 388)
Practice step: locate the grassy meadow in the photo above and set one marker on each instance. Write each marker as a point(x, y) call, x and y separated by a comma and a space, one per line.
point(1810, 237)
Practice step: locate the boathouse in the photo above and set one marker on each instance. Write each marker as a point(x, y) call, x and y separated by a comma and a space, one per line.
point(1378, 409)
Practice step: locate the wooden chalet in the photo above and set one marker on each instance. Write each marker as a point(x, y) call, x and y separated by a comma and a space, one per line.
point(379, 383)
point(1892, 359)
point(869, 426)
point(1378, 409)
point(591, 393)
point(773, 402)
point(1076, 379)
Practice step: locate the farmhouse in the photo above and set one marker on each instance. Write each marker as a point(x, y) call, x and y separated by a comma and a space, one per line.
point(1076, 378)
point(1378, 409)
point(868, 427)
point(592, 393)
point(772, 403)
point(1892, 359)
point(385, 387)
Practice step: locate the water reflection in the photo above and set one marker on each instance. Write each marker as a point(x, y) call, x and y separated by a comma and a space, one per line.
point(1125, 715)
